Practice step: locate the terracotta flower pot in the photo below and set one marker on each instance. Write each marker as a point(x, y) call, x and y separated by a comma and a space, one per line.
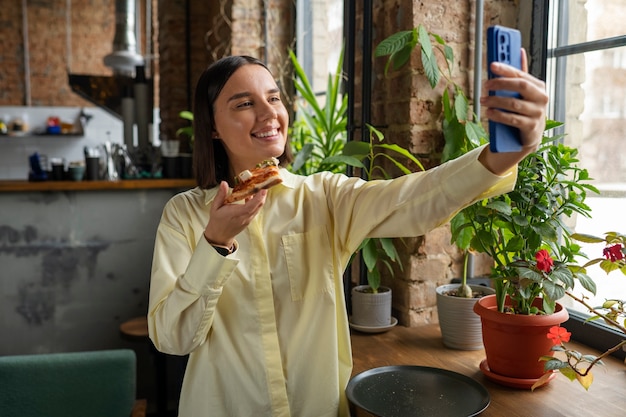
point(515, 342)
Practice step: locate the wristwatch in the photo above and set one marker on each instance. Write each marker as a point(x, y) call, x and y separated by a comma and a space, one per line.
point(224, 250)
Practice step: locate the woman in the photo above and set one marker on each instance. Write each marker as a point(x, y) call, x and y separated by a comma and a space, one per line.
point(253, 291)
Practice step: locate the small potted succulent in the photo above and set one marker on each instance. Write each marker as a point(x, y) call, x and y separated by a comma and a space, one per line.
point(460, 326)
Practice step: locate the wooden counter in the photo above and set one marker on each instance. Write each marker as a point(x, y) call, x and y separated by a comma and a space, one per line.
point(20, 185)
point(423, 346)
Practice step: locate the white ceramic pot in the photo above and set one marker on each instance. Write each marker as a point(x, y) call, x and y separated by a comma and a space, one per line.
point(460, 325)
point(371, 309)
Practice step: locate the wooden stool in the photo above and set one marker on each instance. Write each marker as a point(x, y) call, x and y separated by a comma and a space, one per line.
point(136, 330)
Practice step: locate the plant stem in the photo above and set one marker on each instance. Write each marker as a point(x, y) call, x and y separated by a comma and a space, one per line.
point(593, 310)
point(596, 360)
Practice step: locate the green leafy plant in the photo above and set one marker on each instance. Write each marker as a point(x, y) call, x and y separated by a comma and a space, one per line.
point(319, 141)
point(520, 230)
point(365, 156)
point(573, 364)
point(513, 227)
point(186, 130)
point(318, 134)
point(461, 127)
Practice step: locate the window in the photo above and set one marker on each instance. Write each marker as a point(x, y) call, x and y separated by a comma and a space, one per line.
point(586, 77)
point(319, 39)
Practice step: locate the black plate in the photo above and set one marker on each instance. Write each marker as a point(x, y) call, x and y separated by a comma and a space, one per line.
point(417, 391)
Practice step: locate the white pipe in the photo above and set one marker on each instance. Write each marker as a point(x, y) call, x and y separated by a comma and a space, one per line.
point(478, 69)
point(27, 92)
point(478, 55)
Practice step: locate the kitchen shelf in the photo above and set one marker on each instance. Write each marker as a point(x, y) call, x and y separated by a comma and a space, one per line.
point(26, 186)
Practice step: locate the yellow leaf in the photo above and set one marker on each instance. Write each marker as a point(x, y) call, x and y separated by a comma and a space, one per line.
point(569, 373)
point(542, 381)
point(586, 380)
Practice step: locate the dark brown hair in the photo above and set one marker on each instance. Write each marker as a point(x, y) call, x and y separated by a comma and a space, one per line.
point(210, 161)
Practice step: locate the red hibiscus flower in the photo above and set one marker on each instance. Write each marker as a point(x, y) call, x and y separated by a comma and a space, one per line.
point(544, 261)
point(559, 335)
point(614, 252)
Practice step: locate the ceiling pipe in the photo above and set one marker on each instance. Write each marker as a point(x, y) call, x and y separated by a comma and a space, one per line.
point(124, 57)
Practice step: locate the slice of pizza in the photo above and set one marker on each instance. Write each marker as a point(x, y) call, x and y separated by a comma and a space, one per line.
point(250, 182)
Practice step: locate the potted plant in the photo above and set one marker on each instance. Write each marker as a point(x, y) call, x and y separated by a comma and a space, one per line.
point(371, 303)
point(319, 141)
point(518, 229)
point(460, 326)
point(523, 231)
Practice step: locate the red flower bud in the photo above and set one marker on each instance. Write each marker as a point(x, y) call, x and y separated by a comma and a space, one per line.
point(614, 252)
point(544, 261)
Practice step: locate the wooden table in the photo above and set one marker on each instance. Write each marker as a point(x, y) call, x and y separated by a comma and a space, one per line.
point(423, 346)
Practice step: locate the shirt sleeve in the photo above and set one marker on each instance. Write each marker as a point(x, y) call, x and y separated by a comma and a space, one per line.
point(186, 282)
point(414, 204)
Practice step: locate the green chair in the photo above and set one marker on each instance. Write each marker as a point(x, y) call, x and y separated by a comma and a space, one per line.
point(81, 384)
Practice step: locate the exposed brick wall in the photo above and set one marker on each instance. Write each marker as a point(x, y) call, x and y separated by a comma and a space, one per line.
point(217, 28)
point(407, 109)
point(11, 55)
point(92, 28)
point(174, 61)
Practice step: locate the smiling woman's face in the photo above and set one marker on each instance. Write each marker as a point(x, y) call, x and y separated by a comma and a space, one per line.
point(250, 118)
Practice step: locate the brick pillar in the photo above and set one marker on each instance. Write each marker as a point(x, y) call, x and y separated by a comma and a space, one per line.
point(180, 64)
point(217, 29)
point(407, 109)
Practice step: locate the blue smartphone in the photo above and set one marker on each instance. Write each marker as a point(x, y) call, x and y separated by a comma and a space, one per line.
point(503, 45)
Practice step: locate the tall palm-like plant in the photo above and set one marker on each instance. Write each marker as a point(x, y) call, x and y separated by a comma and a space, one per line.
point(318, 134)
point(319, 140)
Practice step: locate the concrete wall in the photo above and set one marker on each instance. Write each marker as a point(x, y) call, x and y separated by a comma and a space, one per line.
point(73, 267)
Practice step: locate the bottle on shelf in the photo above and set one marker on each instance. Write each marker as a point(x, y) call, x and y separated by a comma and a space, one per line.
point(142, 102)
point(128, 116)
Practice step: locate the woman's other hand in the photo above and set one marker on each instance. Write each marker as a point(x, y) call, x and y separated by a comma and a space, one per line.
point(228, 220)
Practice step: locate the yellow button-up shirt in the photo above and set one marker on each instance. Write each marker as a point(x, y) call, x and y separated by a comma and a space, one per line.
point(266, 327)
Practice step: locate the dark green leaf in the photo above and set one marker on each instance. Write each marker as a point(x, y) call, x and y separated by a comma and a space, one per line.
point(394, 43)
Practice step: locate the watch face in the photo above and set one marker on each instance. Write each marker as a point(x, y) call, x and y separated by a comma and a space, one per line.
point(221, 250)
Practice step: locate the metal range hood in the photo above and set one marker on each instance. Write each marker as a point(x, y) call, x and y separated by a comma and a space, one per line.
point(107, 91)
point(124, 57)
